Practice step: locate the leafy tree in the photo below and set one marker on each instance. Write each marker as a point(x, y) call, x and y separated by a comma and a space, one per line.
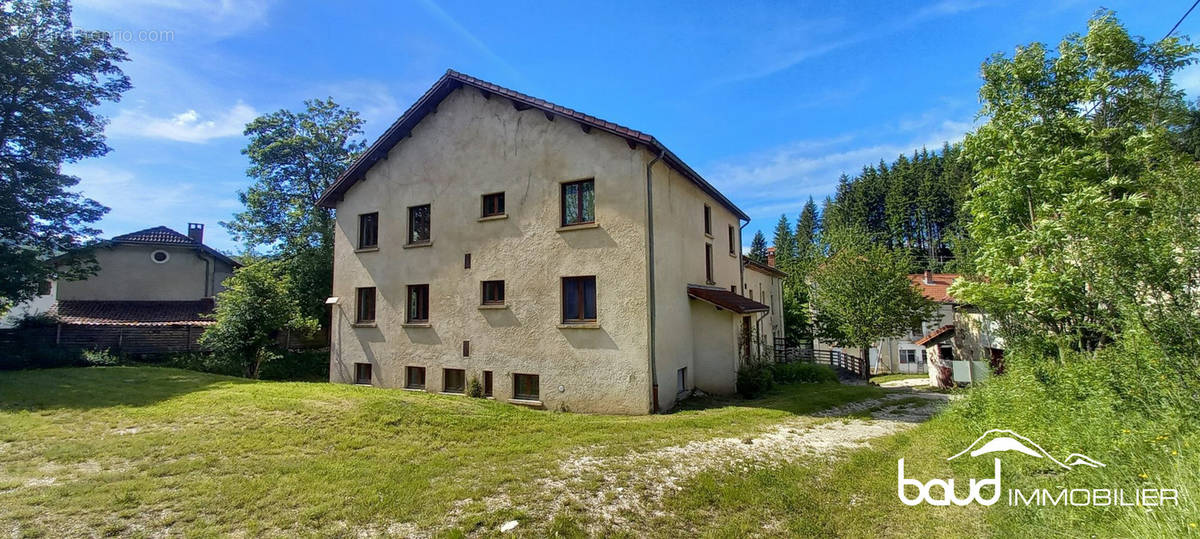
point(294, 158)
point(1084, 211)
point(758, 248)
point(255, 306)
point(52, 76)
point(862, 293)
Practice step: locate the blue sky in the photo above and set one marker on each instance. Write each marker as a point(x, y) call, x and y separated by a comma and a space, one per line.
point(771, 102)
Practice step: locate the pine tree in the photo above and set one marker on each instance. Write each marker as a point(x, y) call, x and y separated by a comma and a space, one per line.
point(758, 248)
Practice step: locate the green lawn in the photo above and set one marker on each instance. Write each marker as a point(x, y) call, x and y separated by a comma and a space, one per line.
point(142, 450)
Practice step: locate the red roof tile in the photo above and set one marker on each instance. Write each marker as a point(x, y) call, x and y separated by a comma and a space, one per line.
point(726, 300)
point(945, 330)
point(936, 291)
point(133, 313)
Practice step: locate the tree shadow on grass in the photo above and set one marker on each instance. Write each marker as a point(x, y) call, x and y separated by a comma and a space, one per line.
point(100, 387)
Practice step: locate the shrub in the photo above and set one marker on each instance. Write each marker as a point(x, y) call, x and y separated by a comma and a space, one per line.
point(793, 373)
point(100, 358)
point(754, 378)
point(474, 388)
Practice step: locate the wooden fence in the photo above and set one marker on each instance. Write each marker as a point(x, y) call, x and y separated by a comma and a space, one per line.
point(840, 361)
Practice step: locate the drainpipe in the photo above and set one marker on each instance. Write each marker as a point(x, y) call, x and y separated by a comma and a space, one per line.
point(650, 267)
point(207, 267)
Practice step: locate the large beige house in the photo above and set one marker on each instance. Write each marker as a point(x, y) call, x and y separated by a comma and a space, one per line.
point(563, 261)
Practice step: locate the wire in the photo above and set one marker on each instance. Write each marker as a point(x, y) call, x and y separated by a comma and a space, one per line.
point(1185, 15)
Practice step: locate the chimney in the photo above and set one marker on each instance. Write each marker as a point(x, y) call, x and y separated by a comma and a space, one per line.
point(928, 277)
point(771, 256)
point(196, 232)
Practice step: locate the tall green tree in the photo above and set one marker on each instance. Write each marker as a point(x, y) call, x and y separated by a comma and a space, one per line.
point(294, 158)
point(1084, 213)
point(862, 294)
point(758, 248)
point(784, 243)
point(52, 77)
point(257, 303)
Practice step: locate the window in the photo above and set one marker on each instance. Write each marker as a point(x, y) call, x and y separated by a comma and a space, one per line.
point(493, 292)
point(707, 220)
point(681, 379)
point(908, 356)
point(418, 224)
point(493, 205)
point(731, 250)
point(525, 387)
point(418, 304)
point(160, 257)
point(578, 202)
point(708, 269)
point(467, 261)
point(414, 377)
point(362, 373)
point(368, 230)
point(733, 288)
point(466, 348)
point(487, 383)
point(364, 312)
point(454, 380)
point(579, 299)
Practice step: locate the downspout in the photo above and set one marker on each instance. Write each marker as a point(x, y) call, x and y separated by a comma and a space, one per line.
point(650, 267)
point(207, 267)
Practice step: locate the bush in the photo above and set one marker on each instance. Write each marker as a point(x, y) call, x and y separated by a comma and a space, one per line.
point(807, 373)
point(474, 388)
point(100, 358)
point(754, 378)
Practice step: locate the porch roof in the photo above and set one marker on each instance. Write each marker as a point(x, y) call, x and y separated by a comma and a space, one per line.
point(725, 299)
point(938, 334)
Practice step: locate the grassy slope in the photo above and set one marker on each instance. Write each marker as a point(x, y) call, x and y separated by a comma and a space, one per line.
point(141, 449)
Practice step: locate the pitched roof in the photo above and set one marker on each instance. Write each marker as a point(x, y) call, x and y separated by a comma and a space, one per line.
point(756, 265)
point(157, 235)
point(937, 334)
point(133, 313)
point(454, 80)
point(161, 235)
point(938, 289)
point(726, 300)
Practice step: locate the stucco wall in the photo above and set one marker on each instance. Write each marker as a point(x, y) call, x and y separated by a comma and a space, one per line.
point(714, 339)
point(679, 254)
point(469, 147)
point(128, 274)
point(767, 289)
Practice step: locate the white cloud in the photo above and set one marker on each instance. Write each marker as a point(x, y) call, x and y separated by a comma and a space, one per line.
point(780, 179)
point(196, 18)
point(186, 126)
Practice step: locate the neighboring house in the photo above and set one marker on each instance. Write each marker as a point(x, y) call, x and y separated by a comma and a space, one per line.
point(902, 353)
point(965, 351)
point(40, 304)
point(764, 284)
point(564, 261)
point(150, 295)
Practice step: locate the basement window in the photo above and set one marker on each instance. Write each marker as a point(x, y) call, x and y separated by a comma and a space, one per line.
point(454, 380)
point(362, 373)
point(525, 387)
point(414, 377)
point(487, 383)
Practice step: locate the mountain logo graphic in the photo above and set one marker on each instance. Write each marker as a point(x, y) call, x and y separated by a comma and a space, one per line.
point(1000, 440)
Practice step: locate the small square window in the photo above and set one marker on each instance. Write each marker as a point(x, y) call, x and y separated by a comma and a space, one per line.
point(578, 202)
point(493, 292)
point(525, 387)
point(579, 299)
point(454, 380)
point(487, 383)
point(368, 230)
point(466, 348)
point(418, 224)
point(362, 373)
point(707, 220)
point(418, 304)
point(414, 377)
point(365, 305)
point(493, 205)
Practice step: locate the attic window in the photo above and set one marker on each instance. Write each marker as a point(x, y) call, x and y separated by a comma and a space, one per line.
point(160, 256)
